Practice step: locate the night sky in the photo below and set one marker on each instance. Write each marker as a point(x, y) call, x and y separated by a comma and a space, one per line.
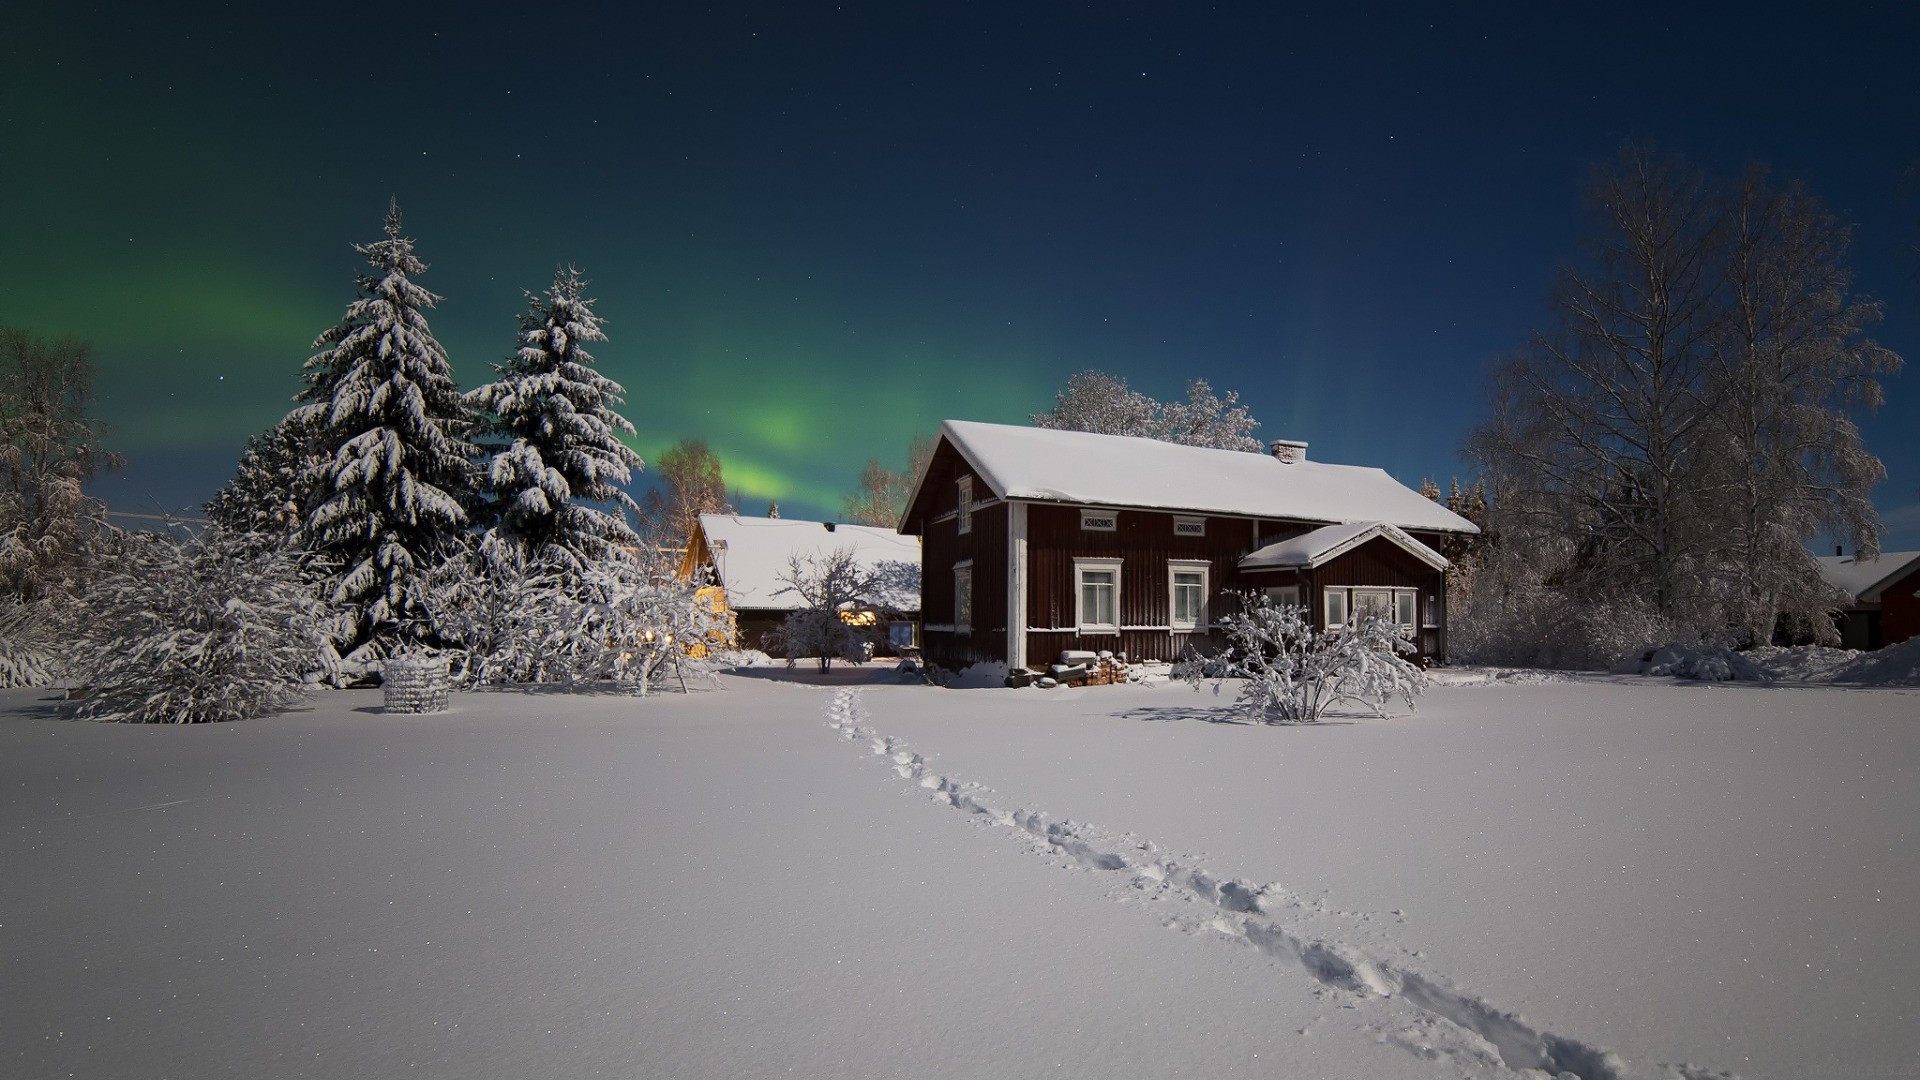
point(816, 230)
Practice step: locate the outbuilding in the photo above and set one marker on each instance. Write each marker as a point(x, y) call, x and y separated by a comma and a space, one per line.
point(1883, 597)
point(748, 558)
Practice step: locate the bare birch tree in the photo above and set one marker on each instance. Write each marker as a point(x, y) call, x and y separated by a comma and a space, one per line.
point(690, 484)
point(1682, 432)
point(883, 492)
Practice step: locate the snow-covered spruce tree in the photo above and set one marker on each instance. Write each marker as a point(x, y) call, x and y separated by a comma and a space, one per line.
point(1294, 674)
point(199, 630)
point(550, 424)
point(267, 490)
point(828, 585)
point(388, 501)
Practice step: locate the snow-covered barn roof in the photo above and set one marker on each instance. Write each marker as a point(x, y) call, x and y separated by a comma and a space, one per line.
point(1329, 542)
point(750, 554)
point(1862, 579)
point(1042, 464)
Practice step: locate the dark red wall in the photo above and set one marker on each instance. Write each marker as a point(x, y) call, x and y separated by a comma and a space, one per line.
point(1900, 610)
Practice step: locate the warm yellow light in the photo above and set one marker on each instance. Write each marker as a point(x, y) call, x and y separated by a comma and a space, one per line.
point(859, 618)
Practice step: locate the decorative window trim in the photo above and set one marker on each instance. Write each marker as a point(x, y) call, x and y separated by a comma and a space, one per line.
point(1080, 569)
point(1176, 567)
point(1344, 594)
point(963, 505)
point(963, 588)
point(1099, 520)
point(1189, 526)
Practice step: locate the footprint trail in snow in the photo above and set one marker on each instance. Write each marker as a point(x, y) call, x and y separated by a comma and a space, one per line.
point(1416, 1010)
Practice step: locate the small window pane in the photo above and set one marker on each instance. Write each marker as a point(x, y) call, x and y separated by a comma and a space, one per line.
point(1097, 599)
point(963, 598)
point(1406, 606)
point(1336, 607)
point(1189, 597)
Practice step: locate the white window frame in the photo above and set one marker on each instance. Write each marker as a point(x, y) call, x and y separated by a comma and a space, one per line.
point(1327, 597)
point(1100, 520)
point(963, 588)
point(1189, 526)
point(963, 504)
point(1432, 620)
point(1080, 569)
point(1346, 595)
point(1176, 567)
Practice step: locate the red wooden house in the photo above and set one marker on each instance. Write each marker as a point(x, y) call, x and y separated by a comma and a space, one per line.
point(1036, 541)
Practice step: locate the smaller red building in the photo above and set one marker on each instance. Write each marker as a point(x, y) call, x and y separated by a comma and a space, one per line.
point(1035, 541)
point(1883, 597)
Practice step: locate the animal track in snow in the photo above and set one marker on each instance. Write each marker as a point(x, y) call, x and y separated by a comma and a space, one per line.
point(1425, 1015)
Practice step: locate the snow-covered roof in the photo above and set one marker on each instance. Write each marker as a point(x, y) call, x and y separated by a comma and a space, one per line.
point(1332, 541)
point(1862, 579)
point(1121, 471)
point(750, 554)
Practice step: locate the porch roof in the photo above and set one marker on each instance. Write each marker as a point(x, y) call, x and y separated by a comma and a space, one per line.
point(1322, 545)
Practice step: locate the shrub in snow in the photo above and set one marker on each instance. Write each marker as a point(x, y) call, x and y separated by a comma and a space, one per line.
point(1294, 674)
point(30, 646)
point(1707, 663)
point(840, 607)
point(200, 630)
point(1502, 612)
point(626, 620)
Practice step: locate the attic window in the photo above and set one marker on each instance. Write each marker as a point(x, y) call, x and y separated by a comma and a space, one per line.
point(964, 506)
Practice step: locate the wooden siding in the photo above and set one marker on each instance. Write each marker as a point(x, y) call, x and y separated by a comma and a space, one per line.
point(942, 547)
point(1144, 542)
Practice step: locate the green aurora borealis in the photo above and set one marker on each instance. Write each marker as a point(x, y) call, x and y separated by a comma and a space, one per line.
point(816, 231)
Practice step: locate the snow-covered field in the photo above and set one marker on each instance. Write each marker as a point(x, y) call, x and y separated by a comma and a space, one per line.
point(1603, 876)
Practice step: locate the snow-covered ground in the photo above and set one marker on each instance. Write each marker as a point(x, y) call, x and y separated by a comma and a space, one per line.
point(1601, 875)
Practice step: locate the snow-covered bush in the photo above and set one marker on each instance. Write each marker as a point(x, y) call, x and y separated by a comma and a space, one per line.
point(1502, 612)
point(199, 630)
point(627, 620)
point(29, 644)
point(1294, 674)
point(1707, 663)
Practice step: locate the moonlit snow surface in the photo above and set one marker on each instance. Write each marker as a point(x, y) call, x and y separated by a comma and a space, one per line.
point(1603, 876)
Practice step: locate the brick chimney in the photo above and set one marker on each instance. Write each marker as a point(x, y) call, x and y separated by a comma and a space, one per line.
point(1288, 451)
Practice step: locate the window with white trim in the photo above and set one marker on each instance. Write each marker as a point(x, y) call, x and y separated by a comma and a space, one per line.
point(1097, 595)
point(964, 506)
point(1335, 601)
point(963, 597)
point(1187, 593)
point(1433, 609)
point(1393, 605)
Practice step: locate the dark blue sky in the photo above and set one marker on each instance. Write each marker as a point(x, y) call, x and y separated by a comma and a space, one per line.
point(817, 230)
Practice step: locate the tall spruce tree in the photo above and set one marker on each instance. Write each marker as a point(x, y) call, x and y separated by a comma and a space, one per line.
point(389, 429)
point(267, 491)
point(554, 438)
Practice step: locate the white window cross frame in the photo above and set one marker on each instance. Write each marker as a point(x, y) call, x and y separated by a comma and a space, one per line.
point(1191, 576)
point(1096, 586)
